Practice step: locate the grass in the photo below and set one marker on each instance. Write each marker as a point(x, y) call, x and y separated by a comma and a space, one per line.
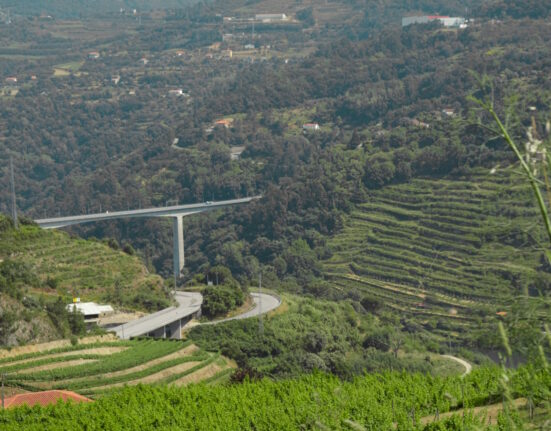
point(89, 269)
point(141, 361)
point(456, 250)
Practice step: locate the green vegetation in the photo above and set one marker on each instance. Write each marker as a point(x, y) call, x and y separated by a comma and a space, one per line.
point(54, 261)
point(224, 296)
point(96, 368)
point(447, 254)
point(41, 271)
point(377, 402)
point(308, 334)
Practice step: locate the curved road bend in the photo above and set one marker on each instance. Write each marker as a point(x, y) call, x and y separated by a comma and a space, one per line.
point(189, 303)
point(468, 367)
point(262, 304)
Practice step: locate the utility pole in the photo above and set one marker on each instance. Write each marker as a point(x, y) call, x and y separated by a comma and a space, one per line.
point(260, 322)
point(3, 375)
point(13, 202)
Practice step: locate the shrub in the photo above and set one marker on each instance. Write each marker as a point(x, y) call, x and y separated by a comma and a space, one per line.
point(218, 300)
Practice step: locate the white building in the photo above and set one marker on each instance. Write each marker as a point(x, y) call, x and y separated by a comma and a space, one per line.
point(311, 127)
point(92, 311)
point(268, 17)
point(447, 21)
point(177, 92)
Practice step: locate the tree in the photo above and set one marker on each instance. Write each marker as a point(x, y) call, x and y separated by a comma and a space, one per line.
point(355, 141)
point(8, 325)
point(76, 322)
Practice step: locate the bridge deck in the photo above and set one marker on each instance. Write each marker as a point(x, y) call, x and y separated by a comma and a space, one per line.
point(172, 211)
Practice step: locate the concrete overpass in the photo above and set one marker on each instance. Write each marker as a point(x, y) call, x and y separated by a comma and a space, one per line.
point(177, 212)
point(166, 323)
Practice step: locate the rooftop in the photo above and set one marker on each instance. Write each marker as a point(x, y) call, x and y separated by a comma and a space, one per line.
point(44, 398)
point(90, 308)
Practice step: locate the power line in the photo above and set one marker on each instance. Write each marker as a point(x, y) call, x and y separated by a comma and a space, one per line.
point(13, 203)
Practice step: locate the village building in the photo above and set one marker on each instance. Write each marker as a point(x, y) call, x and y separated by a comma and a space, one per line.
point(446, 21)
point(91, 311)
point(93, 55)
point(269, 17)
point(176, 92)
point(310, 127)
point(224, 122)
point(235, 152)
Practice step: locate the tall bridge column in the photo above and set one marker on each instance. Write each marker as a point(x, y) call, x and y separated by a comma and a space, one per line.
point(178, 235)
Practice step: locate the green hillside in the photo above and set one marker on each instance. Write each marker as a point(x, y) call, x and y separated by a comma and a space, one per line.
point(450, 253)
point(39, 267)
point(95, 368)
point(389, 401)
point(87, 268)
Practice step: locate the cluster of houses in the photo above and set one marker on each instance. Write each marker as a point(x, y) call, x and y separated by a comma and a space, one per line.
point(260, 17)
point(446, 21)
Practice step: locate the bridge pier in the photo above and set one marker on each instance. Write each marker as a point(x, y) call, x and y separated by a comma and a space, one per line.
point(178, 235)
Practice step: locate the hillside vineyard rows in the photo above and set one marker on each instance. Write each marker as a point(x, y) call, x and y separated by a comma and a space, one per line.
point(392, 164)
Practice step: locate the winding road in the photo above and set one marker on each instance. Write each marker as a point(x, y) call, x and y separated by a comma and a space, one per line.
point(468, 367)
point(262, 304)
point(189, 303)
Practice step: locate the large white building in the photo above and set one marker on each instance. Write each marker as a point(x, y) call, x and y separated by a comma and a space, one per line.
point(267, 17)
point(91, 311)
point(447, 21)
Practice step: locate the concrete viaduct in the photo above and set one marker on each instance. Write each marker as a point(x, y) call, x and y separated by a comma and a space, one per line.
point(177, 212)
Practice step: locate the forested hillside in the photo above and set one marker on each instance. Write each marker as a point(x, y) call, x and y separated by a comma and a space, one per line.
point(64, 9)
point(41, 271)
point(385, 202)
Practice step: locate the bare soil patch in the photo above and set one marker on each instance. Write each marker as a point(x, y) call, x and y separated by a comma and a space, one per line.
point(153, 378)
point(202, 374)
point(491, 412)
point(33, 348)
point(55, 365)
point(96, 351)
point(179, 354)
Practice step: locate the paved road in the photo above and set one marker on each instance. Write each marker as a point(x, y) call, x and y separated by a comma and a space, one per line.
point(468, 367)
point(56, 222)
point(188, 303)
point(262, 304)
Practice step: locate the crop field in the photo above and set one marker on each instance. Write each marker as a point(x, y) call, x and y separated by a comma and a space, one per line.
point(74, 263)
point(456, 251)
point(96, 368)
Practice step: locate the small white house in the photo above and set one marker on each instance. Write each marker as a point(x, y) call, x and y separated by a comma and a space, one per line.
point(92, 311)
point(311, 127)
point(176, 92)
point(267, 17)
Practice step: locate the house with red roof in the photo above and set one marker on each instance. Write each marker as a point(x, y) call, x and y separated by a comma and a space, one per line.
point(43, 398)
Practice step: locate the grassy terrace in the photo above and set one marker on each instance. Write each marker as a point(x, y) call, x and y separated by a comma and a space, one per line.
point(452, 250)
point(97, 368)
point(74, 265)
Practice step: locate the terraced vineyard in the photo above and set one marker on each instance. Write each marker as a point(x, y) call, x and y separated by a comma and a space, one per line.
point(87, 268)
point(452, 252)
point(97, 368)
